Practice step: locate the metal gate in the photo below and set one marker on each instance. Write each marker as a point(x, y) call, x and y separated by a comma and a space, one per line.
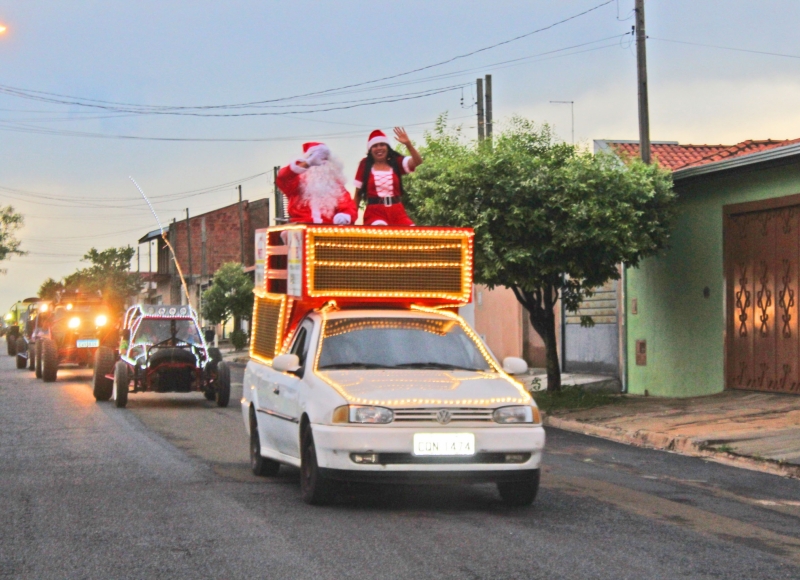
point(762, 259)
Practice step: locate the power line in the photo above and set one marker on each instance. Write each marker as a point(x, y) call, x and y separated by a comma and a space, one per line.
point(724, 47)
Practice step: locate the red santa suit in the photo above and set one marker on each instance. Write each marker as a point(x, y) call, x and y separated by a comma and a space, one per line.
point(316, 194)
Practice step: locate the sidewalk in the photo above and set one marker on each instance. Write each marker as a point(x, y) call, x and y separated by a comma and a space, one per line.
point(235, 356)
point(754, 430)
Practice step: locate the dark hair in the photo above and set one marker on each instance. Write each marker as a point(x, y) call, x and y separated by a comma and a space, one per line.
point(393, 158)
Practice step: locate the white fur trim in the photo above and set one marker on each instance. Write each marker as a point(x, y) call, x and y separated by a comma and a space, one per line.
point(379, 223)
point(358, 183)
point(320, 147)
point(407, 164)
point(297, 168)
point(376, 140)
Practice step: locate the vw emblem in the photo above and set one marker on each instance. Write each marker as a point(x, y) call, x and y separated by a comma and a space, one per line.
point(444, 416)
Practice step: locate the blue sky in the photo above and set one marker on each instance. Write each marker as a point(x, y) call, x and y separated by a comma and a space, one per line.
point(190, 53)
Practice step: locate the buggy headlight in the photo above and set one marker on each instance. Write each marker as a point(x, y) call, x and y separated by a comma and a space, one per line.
point(74, 322)
point(101, 320)
point(515, 414)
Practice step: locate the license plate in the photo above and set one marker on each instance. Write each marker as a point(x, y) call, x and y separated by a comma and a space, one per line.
point(444, 444)
point(89, 343)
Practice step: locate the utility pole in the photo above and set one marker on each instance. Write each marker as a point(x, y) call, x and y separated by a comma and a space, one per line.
point(488, 106)
point(572, 111)
point(241, 226)
point(138, 259)
point(150, 256)
point(479, 83)
point(189, 244)
point(641, 74)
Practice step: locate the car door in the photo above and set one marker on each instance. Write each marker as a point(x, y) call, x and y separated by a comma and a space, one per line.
point(287, 396)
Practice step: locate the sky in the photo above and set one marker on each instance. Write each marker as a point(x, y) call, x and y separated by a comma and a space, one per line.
point(65, 166)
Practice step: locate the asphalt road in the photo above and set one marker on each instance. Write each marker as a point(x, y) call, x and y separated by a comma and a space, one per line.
point(163, 489)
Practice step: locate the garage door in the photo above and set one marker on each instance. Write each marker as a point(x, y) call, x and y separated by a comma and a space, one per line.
point(762, 258)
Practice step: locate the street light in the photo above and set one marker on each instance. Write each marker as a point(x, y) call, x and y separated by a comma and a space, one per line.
point(572, 109)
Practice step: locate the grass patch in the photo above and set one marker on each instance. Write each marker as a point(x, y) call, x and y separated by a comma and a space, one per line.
point(573, 397)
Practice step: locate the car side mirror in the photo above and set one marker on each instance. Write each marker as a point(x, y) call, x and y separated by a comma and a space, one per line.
point(514, 365)
point(286, 363)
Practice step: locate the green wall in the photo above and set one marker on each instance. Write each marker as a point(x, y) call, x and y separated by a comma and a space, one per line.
point(685, 331)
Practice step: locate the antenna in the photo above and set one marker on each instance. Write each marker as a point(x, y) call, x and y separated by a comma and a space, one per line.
point(166, 241)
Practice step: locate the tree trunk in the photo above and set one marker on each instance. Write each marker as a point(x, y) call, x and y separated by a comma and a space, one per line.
point(540, 305)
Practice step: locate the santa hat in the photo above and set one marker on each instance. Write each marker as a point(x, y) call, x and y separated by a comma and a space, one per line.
point(313, 146)
point(377, 136)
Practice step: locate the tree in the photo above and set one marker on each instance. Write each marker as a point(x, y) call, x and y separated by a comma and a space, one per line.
point(10, 222)
point(551, 221)
point(49, 289)
point(230, 296)
point(109, 274)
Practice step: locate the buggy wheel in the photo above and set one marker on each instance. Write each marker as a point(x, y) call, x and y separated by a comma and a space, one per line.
point(261, 466)
point(520, 493)
point(49, 360)
point(223, 385)
point(215, 354)
point(11, 343)
point(32, 356)
point(315, 489)
point(22, 347)
point(122, 380)
point(38, 368)
point(103, 363)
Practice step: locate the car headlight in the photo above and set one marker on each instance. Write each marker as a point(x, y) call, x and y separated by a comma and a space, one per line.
point(101, 320)
point(74, 322)
point(363, 414)
point(515, 414)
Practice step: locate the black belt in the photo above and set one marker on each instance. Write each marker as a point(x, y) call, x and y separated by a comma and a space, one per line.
point(387, 201)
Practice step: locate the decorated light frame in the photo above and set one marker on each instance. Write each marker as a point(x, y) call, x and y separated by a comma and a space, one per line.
point(138, 312)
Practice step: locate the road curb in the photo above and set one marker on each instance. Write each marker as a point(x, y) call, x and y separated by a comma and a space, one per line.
point(674, 444)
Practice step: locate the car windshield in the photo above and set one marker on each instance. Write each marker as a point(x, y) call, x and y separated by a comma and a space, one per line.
point(155, 330)
point(399, 343)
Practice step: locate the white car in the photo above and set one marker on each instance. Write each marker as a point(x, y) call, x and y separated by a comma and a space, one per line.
point(392, 396)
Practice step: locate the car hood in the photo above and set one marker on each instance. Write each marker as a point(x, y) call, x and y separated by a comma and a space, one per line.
point(425, 387)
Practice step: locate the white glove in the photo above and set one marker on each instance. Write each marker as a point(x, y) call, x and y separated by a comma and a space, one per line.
point(318, 156)
point(341, 219)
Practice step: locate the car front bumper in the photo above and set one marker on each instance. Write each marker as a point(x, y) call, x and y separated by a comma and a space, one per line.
point(335, 444)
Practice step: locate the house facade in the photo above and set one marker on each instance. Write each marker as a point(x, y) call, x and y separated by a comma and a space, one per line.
point(719, 309)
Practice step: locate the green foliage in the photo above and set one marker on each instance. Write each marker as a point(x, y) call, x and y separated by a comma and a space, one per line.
point(231, 295)
point(50, 289)
point(10, 222)
point(573, 397)
point(238, 339)
point(551, 221)
point(108, 274)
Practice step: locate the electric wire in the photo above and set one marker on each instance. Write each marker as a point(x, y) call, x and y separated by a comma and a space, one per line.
point(724, 47)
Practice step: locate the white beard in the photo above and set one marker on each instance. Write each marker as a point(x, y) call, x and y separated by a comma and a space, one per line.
point(322, 188)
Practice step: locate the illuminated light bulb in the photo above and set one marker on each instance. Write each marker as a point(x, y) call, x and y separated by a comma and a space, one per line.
point(74, 322)
point(69, 306)
point(101, 320)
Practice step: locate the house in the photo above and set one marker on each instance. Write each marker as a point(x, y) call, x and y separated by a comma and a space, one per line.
point(719, 309)
point(202, 244)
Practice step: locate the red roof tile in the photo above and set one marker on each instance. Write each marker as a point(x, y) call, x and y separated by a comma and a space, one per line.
point(674, 156)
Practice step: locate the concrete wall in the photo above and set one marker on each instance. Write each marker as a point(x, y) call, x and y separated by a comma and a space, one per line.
point(684, 331)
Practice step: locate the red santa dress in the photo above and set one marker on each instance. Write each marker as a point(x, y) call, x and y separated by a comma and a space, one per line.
point(300, 209)
point(384, 195)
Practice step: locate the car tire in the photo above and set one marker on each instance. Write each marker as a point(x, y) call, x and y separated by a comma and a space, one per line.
point(32, 356)
point(22, 347)
point(223, 385)
point(49, 360)
point(260, 465)
point(214, 354)
point(314, 487)
point(37, 370)
point(519, 493)
point(122, 380)
point(102, 386)
point(11, 342)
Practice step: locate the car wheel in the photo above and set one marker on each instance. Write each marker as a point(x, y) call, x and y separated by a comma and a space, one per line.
point(49, 360)
point(315, 489)
point(214, 354)
point(22, 347)
point(103, 364)
point(210, 394)
point(261, 466)
point(32, 356)
point(520, 493)
point(223, 386)
point(38, 368)
point(11, 343)
point(121, 383)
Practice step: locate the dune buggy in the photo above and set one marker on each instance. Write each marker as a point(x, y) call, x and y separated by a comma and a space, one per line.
point(161, 350)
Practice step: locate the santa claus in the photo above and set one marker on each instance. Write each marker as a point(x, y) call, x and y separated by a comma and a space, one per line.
point(314, 186)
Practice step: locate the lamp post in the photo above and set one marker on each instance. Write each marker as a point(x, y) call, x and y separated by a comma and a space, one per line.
point(572, 112)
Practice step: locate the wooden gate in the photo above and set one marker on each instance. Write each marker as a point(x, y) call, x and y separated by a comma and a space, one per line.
point(762, 260)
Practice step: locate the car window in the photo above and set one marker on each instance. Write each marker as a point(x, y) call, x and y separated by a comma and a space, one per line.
point(300, 345)
point(155, 330)
point(411, 343)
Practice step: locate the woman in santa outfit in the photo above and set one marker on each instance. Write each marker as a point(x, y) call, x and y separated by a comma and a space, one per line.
point(379, 179)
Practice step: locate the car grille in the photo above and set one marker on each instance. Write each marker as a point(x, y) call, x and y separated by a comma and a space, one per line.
point(457, 414)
